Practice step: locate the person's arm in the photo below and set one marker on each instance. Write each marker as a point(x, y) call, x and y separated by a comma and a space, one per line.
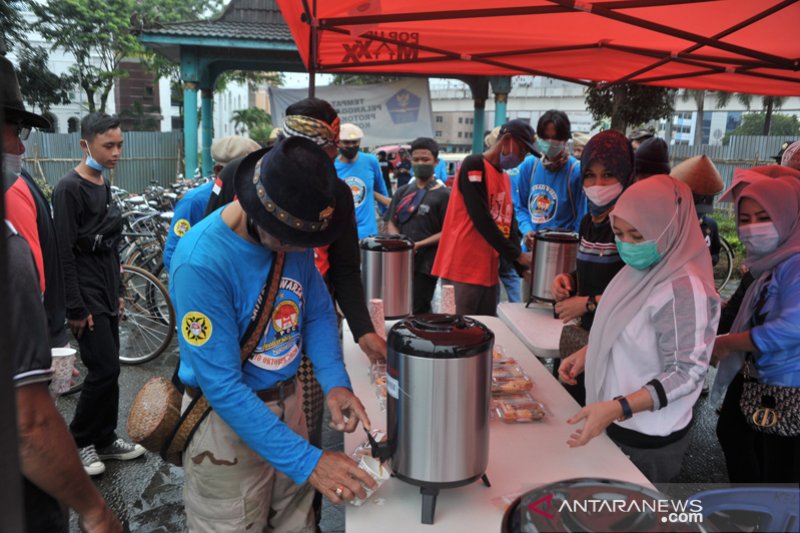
point(379, 185)
point(600, 415)
point(66, 210)
point(522, 192)
point(389, 215)
point(49, 459)
point(217, 366)
point(391, 228)
point(180, 225)
point(476, 201)
point(431, 240)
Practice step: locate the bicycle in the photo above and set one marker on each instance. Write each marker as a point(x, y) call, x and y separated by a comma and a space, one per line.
point(723, 270)
point(148, 324)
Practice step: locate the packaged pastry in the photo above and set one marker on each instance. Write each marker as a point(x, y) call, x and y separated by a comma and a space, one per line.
point(510, 379)
point(518, 408)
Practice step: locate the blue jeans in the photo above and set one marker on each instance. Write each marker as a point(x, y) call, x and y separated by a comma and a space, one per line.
point(511, 281)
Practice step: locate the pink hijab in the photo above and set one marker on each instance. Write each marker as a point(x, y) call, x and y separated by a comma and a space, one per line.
point(650, 206)
point(780, 198)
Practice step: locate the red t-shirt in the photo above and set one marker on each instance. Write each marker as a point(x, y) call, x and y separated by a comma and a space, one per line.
point(464, 254)
point(21, 212)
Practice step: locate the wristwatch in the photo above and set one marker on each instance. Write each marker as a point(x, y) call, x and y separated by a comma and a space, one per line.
point(627, 412)
point(591, 304)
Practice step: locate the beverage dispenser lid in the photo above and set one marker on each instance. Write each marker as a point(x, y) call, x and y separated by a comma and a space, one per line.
point(557, 235)
point(385, 242)
point(440, 336)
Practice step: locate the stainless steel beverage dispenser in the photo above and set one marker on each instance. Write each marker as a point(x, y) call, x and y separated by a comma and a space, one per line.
point(387, 271)
point(438, 384)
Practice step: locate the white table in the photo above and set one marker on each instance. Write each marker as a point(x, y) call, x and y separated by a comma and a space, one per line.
point(534, 325)
point(521, 456)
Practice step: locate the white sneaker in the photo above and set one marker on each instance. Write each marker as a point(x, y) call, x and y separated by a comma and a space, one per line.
point(91, 461)
point(121, 450)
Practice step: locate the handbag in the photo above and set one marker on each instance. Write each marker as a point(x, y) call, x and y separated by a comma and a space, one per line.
point(573, 338)
point(770, 409)
point(155, 420)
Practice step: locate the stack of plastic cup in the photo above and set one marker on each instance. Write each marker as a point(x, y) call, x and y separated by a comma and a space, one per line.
point(377, 471)
point(448, 300)
point(63, 363)
point(376, 314)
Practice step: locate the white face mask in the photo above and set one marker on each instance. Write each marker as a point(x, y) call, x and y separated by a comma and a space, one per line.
point(760, 238)
point(12, 163)
point(602, 195)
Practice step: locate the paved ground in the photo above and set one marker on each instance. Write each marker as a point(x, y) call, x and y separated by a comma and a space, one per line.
point(146, 492)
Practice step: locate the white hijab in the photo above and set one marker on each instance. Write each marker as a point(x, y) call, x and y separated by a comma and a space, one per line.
point(651, 206)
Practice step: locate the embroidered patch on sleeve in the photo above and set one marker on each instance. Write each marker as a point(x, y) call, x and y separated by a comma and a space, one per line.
point(196, 328)
point(181, 227)
point(475, 176)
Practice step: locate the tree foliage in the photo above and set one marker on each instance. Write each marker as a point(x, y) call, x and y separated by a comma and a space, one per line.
point(41, 88)
point(753, 124)
point(630, 104)
point(100, 36)
point(12, 27)
point(250, 77)
point(250, 118)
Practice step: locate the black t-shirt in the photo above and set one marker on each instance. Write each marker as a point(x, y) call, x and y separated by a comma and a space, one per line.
point(54, 298)
point(402, 173)
point(91, 279)
point(28, 322)
point(598, 261)
point(427, 220)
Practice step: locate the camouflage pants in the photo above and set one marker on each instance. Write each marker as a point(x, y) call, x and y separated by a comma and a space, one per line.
point(230, 488)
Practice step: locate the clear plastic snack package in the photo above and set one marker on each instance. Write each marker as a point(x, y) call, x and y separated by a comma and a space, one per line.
point(377, 371)
point(377, 471)
point(518, 408)
point(510, 379)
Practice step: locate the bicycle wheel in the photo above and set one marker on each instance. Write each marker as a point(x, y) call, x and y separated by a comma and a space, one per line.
point(724, 267)
point(149, 321)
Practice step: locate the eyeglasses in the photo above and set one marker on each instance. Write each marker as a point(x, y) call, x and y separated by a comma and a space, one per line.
point(23, 132)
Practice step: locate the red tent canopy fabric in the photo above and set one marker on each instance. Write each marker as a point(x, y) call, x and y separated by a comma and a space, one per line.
point(749, 46)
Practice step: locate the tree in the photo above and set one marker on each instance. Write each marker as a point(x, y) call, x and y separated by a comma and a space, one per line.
point(40, 86)
point(13, 27)
point(251, 77)
point(699, 97)
point(753, 124)
point(769, 103)
point(250, 119)
point(630, 104)
point(99, 36)
point(137, 119)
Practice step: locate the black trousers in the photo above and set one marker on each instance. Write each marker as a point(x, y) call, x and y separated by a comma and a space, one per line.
point(43, 514)
point(424, 287)
point(476, 299)
point(95, 420)
point(752, 456)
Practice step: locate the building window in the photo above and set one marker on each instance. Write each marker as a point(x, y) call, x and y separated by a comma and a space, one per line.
point(148, 91)
point(73, 124)
point(460, 135)
point(438, 133)
point(460, 120)
point(439, 118)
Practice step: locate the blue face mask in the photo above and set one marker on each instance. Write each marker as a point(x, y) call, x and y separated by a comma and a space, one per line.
point(509, 160)
point(93, 163)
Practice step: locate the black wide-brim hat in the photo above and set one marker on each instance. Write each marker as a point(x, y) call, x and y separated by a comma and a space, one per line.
point(293, 193)
point(11, 97)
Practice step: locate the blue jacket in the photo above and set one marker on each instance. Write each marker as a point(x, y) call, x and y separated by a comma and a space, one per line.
point(215, 280)
point(188, 212)
point(778, 338)
point(549, 199)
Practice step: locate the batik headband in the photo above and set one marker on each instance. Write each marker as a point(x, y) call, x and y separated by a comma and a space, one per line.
point(312, 129)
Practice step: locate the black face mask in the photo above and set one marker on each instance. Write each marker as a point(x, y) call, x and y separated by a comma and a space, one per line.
point(349, 152)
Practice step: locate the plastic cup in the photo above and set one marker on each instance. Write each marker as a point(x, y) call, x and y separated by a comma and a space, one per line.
point(63, 363)
point(377, 316)
point(377, 471)
point(448, 299)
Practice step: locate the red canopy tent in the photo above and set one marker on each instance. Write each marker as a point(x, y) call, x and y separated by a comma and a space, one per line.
point(731, 45)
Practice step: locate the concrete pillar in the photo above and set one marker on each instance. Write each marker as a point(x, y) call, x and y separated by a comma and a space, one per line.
point(207, 122)
point(501, 86)
point(478, 125)
point(190, 127)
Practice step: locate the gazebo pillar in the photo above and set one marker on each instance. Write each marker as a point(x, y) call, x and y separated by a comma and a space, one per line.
point(190, 127)
point(207, 124)
point(480, 92)
point(501, 86)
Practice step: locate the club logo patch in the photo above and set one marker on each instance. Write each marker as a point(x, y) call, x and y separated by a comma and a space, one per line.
point(358, 188)
point(196, 328)
point(181, 227)
point(285, 318)
point(543, 204)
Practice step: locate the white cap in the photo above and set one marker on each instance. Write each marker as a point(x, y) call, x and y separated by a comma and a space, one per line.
point(350, 132)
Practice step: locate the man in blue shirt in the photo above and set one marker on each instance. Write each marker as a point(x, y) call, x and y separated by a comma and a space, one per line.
point(550, 188)
point(191, 208)
point(248, 464)
point(362, 173)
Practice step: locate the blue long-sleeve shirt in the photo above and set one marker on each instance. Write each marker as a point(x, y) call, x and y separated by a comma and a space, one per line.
point(364, 177)
point(188, 211)
point(543, 199)
point(778, 338)
point(215, 279)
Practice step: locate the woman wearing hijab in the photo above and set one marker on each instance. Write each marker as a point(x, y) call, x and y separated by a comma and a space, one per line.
point(651, 340)
point(766, 330)
point(607, 169)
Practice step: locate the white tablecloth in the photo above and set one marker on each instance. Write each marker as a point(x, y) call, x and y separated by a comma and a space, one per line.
point(534, 325)
point(521, 456)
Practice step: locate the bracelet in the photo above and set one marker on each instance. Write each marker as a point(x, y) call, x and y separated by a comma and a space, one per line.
point(627, 412)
